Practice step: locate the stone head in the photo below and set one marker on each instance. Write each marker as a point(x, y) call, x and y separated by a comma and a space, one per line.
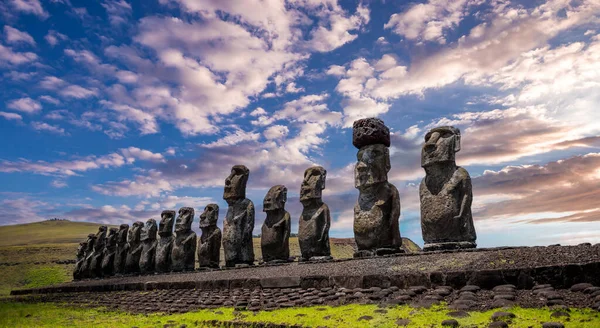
point(149, 230)
point(235, 184)
point(100, 238)
point(184, 219)
point(122, 234)
point(209, 217)
point(135, 232)
point(275, 198)
point(167, 220)
point(91, 240)
point(81, 249)
point(111, 237)
point(441, 145)
point(373, 164)
point(313, 183)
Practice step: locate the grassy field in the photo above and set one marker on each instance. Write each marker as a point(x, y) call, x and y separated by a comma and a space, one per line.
point(355, 315)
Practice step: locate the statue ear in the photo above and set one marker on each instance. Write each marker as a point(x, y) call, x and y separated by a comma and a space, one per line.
point(457, 143)
point(388, 165)
point(324, 178)
point(284, 195)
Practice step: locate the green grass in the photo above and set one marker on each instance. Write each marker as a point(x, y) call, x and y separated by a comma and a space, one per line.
point(46, 232)
point(53, 315)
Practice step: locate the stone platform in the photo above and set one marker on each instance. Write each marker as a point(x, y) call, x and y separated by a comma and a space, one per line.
point(523, 267)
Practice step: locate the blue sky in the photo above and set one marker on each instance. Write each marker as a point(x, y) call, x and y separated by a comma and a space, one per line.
point(115, 110)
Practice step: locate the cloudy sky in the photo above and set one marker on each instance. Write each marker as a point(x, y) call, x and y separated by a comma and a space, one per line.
point(112, 111)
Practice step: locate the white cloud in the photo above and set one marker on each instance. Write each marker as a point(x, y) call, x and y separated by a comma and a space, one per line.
point(53, 37)
point(340, 25)
point(429, 21)
point(118, 11)
point(336, 70)
point(26, 105)
point(276, 132)
point(16, 58)
point(30, 7)
point(59, 184)
point(146, 122)
point(78, 92)
point(133, 153)
point(234, 138)
point(11, 116)
point(259, 111)
point(310, 108)
point(15, 36)
point(50, 99)
point(43, 126)
point(291, 88)
point(51, 83)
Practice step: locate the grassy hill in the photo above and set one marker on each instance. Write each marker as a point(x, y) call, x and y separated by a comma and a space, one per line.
point(29, 252)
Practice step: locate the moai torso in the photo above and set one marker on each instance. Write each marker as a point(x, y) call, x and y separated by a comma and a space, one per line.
point(148, 254)
point(377, 211)
point(313, 230)
point(445, 193)
point(239, 220)
point(165, 242)
point(110, 250)
point(122, 249)
point(275, 232)
point(183, 255)
point(80, 259)
point(96, 264)
point(209, 245)
point(134, 248)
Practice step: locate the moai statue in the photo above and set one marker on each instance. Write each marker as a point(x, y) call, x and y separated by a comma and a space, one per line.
point(122, 249)
point(446, 193)
point(165, 242)
point(80, 260)
point(148, 239)
point(183, 255)
point(275, 232)
point(376, 214)
point(134, 251)
point(209, 245)
point(239, 220)
point(110, 251)
point(313, 232)
point(96, 264)
point(84, 272)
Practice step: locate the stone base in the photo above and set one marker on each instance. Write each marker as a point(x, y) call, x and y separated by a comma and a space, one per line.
point(273, 262)
point(378, 252)
point(320, 258)
point(448, 246)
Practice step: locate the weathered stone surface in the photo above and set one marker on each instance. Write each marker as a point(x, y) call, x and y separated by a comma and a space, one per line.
point(446, 193)
point(315, 220)
point(183, 254)
point(377, 210)
point(148, 239)
point(134, 248)
point(122, 249)
point(79, 260)
point(95, 269)
point(275, 231)
point(110, 250)
point(370, 131)
point(239, 220)
point(209, 245)
point(164, 246)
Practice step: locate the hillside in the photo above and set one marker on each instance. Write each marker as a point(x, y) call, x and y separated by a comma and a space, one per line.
point(46, 232)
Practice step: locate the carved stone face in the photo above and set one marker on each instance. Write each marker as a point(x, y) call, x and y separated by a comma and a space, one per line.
point(111, 237)
point(235, 184)
point(91, 240)
point(372, 166)
point(165, 227)
point(184, 219)
point(209, 217)
point(149, 230)
point(313, 183)
point(441, 145)
point(100, 238)
point(123, 232)
point(275, 198)
point(81, 249)
point(135, 232)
